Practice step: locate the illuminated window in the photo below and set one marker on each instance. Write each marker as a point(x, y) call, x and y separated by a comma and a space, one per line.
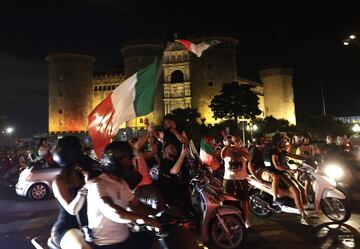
point(141, 120)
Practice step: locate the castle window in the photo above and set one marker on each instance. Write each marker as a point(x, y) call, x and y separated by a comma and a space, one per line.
point(113, 87)
point(210, 83)
point(185, 57)
point(141, 120)
point(172, 60)
point(177, 76)
point(109, 88)
point(100, 88)
point(95, 88)
point(179, 58)
point(60, 111)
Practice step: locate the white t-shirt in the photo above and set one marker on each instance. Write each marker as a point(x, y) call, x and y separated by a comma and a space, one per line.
point(237, 173)
point(106, 226)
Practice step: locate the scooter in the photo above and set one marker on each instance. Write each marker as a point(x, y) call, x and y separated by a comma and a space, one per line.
point(221, 225)
point(326, 197)
point(167, 221)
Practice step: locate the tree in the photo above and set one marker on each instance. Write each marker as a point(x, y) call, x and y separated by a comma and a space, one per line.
point(320, 126)
point(271, 124)
point(235, 101)
point(186, 117)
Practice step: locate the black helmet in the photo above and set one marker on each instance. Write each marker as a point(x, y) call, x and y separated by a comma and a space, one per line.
point(67, 151)
point(112, 155)
point(256, 138)
point(111, 161)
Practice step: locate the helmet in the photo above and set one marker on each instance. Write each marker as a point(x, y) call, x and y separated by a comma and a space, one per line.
point(256, 137)
point(67, 151)
point(113, 153)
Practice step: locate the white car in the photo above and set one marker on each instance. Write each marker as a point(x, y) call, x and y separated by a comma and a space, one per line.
point(35, 181)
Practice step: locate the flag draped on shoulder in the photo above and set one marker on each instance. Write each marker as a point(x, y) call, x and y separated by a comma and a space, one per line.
point(206, 152)
point(133, 98)
point(198, 49)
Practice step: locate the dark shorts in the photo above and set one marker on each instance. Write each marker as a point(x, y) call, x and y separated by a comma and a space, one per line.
point(238, 188)
point(59, 229)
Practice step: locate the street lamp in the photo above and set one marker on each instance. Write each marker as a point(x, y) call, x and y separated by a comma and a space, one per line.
point(356, 128)
point(351, 39)
point(255, 127)
point(9, 130)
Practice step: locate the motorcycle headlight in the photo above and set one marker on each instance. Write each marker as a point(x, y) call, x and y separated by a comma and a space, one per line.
point(333, 171)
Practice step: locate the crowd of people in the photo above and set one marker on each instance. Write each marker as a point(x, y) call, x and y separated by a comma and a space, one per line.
point(95, 206)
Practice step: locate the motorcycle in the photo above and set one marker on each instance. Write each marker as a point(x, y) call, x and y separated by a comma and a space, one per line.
point(221, 224)
point(167, 221)
point(326, 197)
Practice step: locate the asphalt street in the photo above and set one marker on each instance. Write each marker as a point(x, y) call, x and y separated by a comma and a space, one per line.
point(22, 219)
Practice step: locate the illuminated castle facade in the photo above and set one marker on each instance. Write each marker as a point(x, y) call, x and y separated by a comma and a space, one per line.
point(188, 81)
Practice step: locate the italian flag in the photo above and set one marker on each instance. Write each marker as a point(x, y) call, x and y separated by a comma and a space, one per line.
point(206, 152)
point(133, 98)
point(198, 49)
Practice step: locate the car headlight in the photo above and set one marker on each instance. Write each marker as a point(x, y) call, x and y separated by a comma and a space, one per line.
point(333, 171)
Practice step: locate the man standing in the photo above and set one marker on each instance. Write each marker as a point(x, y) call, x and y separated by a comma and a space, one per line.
point(235, 176)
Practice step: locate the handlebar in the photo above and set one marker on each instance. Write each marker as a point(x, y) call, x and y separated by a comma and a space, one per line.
point(167, 221)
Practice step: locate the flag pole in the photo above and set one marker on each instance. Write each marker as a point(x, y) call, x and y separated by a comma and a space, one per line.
point(323, 99)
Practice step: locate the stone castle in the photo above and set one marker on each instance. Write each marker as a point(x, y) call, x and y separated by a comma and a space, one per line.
point(75, 90)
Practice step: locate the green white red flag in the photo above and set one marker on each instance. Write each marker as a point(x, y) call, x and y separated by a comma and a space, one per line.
point(133, 98)
point(206, 152)
point(198, 49)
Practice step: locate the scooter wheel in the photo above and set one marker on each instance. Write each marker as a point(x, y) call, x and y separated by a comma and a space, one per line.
point(336, 209)
point(259, 206)
point(220, 240)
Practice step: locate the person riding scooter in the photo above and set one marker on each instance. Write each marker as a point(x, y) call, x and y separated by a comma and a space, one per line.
point(112, 205)
point(280, 168)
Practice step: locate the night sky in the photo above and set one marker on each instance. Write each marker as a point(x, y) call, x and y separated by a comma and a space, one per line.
point(298, 34)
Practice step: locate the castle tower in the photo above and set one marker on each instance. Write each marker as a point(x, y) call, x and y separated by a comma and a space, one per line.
point(216, 66)
point(136, 57)
point(70, 91)
point(279, 93)
point(177, 93)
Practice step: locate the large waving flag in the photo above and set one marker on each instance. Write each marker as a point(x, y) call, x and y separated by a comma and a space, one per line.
point(198, 49)
point(133, 98)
